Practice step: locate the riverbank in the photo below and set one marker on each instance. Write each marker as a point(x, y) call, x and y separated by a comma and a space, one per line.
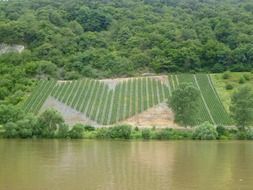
point(205, 131)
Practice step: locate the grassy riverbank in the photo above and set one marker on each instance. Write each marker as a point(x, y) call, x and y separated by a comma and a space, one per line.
point(206, 131)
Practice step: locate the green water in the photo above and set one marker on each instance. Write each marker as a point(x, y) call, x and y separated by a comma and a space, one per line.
point(125, 165)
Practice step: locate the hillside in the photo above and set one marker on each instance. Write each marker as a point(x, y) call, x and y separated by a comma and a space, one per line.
point(70, 40)
point(140, 101)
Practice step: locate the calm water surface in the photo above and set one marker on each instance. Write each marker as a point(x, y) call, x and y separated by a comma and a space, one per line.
point(125, 165)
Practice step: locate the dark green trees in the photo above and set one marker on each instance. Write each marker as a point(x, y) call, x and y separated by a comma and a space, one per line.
point(242, 107)
point(184, 103)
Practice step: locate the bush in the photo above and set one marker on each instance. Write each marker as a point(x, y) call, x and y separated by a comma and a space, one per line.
point(205, 131)
point(121, 131)
point(136, 134)
point(102, 133)
point(229, 87)
point(241, 80)
point(241, 135)
point(164, 134)
point(246, 77)
point(221, 130)
point(89, 128)
point(249, 133)
point(145, 133)
point(245, 135)
point(63, 131)
point(11, 130)
point(24, 128)
point(76, 132)
point(226, 75)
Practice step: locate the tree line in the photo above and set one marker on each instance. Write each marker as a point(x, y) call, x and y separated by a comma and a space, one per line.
point(83, 38)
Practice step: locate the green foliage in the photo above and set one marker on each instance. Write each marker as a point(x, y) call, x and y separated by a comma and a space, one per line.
point(11, 130)
point(164, 134)
point(242, 80)
point(76, 132)
point(221, 130)
point(89, 128)
point(185, 103)
point(242, 107)
point(63, 131)
point(146, 133)
point(229, 87)
point(226, 75)
point(246, 77)
point(120, 131)
point(49, 121)
point(10, 113)
point(205, 131)
point(75, 38)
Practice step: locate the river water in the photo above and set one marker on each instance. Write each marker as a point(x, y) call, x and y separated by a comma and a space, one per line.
point(125, 165)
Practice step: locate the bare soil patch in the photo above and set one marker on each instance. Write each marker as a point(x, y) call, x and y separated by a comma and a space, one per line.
point(159, 116)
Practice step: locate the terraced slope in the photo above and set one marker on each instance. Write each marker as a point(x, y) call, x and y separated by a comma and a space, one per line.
point(211, 108)
point(108, 104)
point(100, 103)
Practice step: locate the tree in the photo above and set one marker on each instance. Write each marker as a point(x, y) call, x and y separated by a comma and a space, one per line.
point(185, 103)
point(241, 107)
point(9, 113)
point(49, 122)
point(205, 131)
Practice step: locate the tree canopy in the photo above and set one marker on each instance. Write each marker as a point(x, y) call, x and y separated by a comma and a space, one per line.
point(185, 104)
point(75, 38)
point(242, 107)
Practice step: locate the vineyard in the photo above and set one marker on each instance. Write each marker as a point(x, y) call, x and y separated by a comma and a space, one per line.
point(97, 101)
point(104, 105)
point(211, 108)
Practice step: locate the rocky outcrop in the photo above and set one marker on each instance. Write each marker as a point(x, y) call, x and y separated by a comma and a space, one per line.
point(5, 48)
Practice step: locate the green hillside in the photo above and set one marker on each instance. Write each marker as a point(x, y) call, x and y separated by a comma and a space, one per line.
point(97, 101)
point(211, 107)
point(106, 105)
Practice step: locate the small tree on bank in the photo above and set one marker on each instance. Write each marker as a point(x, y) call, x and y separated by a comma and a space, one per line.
point(49, 121)
point(185, 104)
point(241, 107)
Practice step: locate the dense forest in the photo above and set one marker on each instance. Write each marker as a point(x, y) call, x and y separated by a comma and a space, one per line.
point(69, 39)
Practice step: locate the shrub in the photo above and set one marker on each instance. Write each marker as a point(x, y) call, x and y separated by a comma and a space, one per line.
point(145, 133)
point(136, 134)
point(241, 135)
point(245, 135)
point(10, 130)
point(49, 121)
point(205, 131)
point(246, 77)
point(63, 131)
point(164, 134)
point(226, 75)
point(241, 80)
point(229, 87)
point(121, 131)
point(249, 133)
point(102, 133)
point(76, 132)
point(221, 130)
point(89, 128)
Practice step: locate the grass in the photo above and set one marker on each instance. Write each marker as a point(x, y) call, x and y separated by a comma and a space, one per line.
point(233, 79)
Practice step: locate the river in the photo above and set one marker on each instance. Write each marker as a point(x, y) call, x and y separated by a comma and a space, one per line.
point(125, 165)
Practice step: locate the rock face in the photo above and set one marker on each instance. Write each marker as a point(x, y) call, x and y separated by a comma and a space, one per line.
point(5, 48)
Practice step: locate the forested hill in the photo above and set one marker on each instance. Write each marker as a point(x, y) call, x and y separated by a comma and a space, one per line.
point(68, 39)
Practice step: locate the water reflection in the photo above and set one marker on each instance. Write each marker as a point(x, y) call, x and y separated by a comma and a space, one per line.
point(123, 165)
